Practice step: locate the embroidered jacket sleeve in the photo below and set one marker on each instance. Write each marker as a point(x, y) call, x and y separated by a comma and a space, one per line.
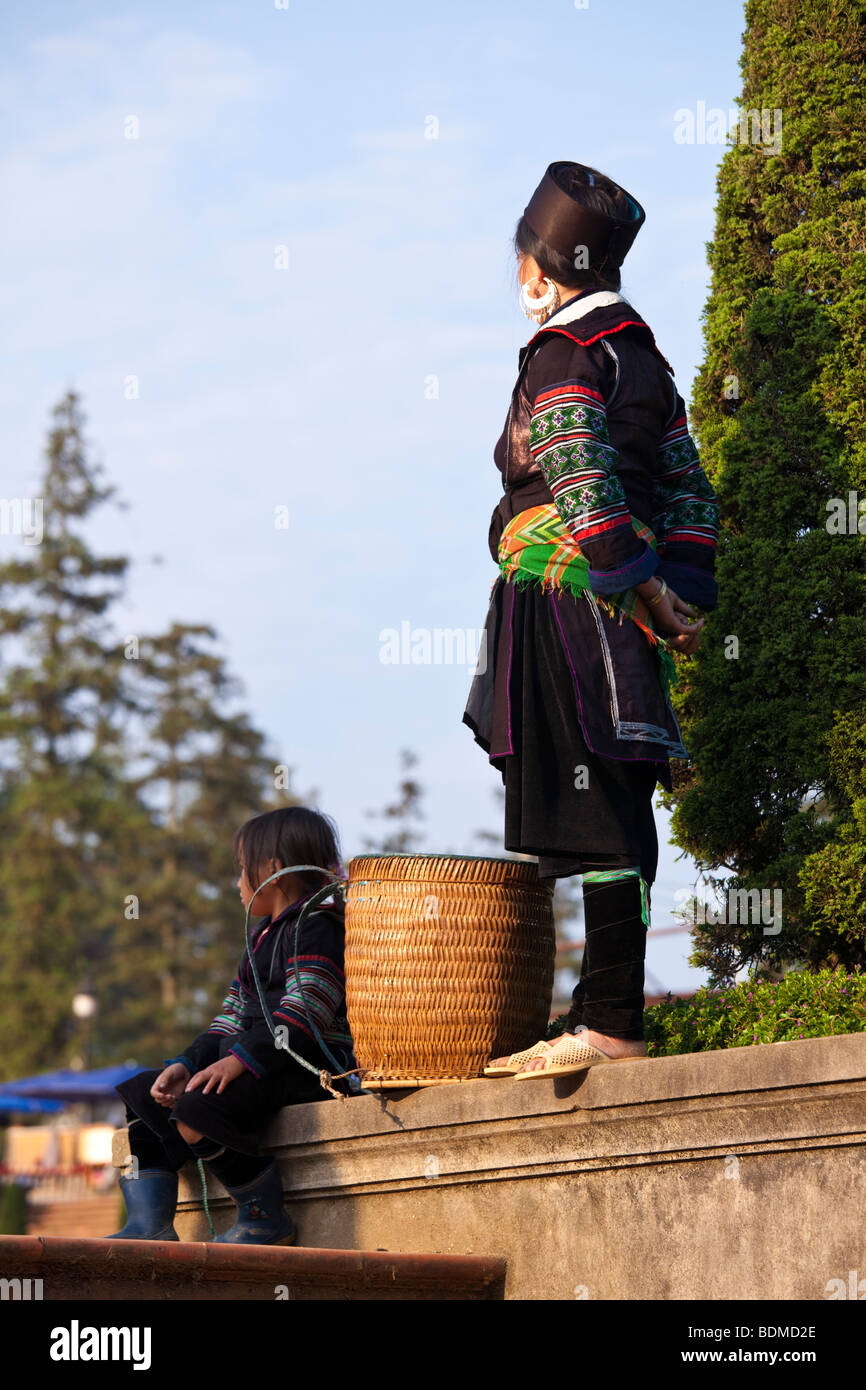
point(686, 515)
point(570, 441)
point(205, 1048)
point(319, 988)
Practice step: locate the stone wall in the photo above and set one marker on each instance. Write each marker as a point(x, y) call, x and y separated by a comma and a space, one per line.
point(734, 1174)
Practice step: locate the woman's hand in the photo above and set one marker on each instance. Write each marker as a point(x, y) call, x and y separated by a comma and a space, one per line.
point(217, 1076)
point(670, 616)
point(168, 1087)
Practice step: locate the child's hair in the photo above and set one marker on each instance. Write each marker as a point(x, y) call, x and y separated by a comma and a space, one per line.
point(291, 835)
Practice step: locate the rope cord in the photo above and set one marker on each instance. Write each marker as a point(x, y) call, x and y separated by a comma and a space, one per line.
point(203, 1181)
point(324, 892)
point(324, 1077)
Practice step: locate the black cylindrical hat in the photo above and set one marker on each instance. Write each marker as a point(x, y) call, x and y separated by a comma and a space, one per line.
point(559, 220)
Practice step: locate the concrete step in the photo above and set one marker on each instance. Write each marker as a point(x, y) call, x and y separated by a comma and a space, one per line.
point(86, 1216)
point(80, 1269)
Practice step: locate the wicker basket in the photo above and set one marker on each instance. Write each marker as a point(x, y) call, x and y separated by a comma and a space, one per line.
point(449, 961)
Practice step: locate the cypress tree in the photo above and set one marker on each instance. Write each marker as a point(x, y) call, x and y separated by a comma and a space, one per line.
point(772, 704)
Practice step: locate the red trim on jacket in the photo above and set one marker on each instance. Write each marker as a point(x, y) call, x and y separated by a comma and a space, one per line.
point(582, 389)
point(605, 333)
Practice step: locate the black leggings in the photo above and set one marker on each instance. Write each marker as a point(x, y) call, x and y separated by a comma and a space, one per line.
point(608, 997)
point(171, 1152)
point(229, 1123)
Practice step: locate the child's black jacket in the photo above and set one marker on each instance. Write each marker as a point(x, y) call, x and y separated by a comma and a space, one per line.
point(240, 1027)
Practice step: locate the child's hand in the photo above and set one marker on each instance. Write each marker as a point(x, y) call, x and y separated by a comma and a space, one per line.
point(217, 1076)
point(167, 1089)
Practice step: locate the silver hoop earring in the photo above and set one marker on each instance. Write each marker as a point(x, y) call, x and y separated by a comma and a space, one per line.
point(539, 309)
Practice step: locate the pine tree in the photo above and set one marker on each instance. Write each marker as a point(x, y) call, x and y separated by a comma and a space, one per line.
point(780, 680)
point(126, 768)
point(65, 813)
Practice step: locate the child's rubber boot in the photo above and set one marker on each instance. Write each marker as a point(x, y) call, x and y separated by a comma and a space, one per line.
point(151, 1202)
point(261, 1219)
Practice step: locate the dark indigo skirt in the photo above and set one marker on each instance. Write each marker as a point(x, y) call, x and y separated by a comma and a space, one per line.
point(550, 704)
point(236, 1118)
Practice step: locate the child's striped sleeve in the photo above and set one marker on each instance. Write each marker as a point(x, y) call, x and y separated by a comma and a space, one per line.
point(228, 1020)
point(316, 997)
point(321, 984)
point(205, 1048)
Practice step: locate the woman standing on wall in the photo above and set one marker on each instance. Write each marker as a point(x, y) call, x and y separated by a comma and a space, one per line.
point(605, 537)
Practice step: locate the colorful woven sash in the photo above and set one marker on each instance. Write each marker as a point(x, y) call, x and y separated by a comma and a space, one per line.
point(537, 548)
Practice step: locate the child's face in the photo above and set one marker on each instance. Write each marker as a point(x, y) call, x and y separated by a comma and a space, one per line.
point(246, 890)
point(272, 899)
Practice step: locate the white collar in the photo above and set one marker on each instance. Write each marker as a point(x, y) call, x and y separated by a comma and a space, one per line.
point(584, 304)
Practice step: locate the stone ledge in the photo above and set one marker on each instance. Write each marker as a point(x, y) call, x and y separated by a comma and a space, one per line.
point(90, 1270)
point(767, 1067)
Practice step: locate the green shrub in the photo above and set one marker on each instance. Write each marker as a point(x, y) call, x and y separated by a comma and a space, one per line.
point(13, 1210)
point(805, 1004)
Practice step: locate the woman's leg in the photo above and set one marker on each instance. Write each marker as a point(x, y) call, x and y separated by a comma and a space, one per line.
point(645, 838)
point(149, 1151)
point(233, 1120)
point(608, 999)
point(616, 916)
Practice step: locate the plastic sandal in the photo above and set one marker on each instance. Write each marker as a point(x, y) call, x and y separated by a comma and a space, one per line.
point(572, 1055)
point(517, 1061)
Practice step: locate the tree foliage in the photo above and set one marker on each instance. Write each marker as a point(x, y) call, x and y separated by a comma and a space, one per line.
point(399, 833)
point(772, 702)
point(126, 767)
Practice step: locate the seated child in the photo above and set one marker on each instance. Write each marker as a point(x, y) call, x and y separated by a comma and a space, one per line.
point(214, 1100)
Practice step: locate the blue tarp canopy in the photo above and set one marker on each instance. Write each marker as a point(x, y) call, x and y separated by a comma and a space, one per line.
point(28, 1105)
point(69, 1085)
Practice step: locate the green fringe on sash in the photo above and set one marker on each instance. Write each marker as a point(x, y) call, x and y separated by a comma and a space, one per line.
point(525, 579)
point(549, 558)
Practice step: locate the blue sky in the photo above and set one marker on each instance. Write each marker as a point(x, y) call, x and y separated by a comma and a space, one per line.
point(308, 387)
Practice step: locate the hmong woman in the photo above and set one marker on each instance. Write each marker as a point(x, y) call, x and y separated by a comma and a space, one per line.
point(605, 539)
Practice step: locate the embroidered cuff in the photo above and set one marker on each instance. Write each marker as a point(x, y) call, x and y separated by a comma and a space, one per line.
point(248, 1061)
point(187, 1062)
point(613, 581)
point(693, 585)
